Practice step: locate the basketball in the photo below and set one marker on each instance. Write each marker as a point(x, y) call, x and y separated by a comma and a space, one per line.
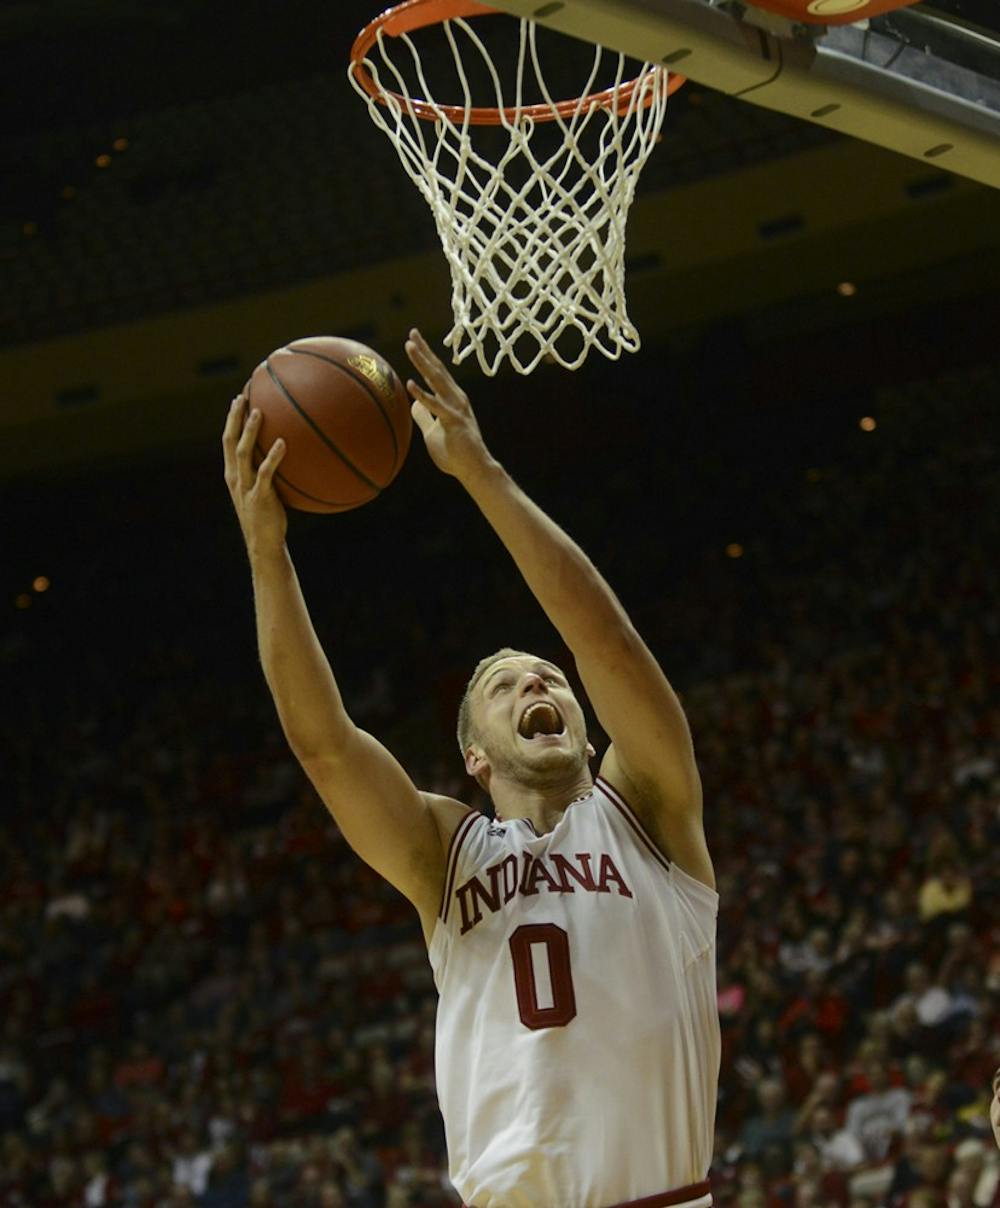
point(344, 416)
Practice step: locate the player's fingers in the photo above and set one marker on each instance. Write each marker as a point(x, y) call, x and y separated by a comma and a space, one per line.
point(266, 469)
point(421, 341)
point(429, 363)
point(229, 436)
point(429, 400)
point(422, 418)
point(418, 358)
point(244, 450)
point(233, 420)
point(418, 338)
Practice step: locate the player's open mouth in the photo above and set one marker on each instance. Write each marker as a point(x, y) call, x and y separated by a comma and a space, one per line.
point(540, 720)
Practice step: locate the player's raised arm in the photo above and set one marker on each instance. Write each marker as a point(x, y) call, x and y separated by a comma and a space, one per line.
point(399, 831)
point(651, 759)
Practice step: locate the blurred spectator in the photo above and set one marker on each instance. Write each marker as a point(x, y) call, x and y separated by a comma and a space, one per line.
point(803, 1070)
point(100, 1188)
point(814, 1180)
point(773, 1124)
point(413, 1164)
point(932, 1003)
point(877, 1117)
point(908, 1037)
point(977, 1170)
point(53, 1111)
point(14, 1086)
point(261, 1195)
point(731, 993)
point(946, 891)
point(826, 1092)
point(228, 1184)
point(359, 1169)
point(818, 1005)
point(838, 1148)
point(933, 1163)
point(192, 1162)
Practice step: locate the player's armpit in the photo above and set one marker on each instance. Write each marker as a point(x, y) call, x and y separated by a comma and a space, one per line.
point(677, 830)
point(383, 817)
point(448, 815)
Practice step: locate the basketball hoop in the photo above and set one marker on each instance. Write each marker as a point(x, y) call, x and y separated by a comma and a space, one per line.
point(534, 237)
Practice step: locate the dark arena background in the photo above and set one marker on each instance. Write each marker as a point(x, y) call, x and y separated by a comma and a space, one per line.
point(205, 998)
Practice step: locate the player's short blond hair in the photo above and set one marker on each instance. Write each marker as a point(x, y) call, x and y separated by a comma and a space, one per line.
point(467, 732)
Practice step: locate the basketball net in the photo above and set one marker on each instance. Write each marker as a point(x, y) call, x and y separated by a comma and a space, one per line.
point(534, 239)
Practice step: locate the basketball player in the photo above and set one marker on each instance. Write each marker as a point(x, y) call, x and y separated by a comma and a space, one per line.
point(573, 938)
point(995, 1108)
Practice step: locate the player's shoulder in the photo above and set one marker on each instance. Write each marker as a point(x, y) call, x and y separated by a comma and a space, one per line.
point(449, 814)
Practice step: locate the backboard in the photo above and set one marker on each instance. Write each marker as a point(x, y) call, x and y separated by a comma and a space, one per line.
point(923, 80)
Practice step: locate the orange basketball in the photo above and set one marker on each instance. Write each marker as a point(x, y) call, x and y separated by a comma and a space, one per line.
point(344, 416)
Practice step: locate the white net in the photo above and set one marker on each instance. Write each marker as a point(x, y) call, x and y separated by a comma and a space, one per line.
point(533, 228)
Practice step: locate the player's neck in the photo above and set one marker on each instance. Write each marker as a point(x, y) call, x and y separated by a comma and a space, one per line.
point(542, 806)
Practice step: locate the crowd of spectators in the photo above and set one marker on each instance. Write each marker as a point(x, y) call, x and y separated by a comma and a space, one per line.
point(207, 1000)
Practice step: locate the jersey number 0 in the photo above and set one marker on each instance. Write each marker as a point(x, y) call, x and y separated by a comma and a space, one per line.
point(532, 945)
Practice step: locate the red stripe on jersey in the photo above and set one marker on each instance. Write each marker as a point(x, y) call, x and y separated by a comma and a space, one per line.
point(669, 1199)
point(632, 819)
point(457, 839)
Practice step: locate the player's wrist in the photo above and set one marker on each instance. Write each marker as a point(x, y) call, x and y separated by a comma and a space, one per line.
point(267, 554)
point(479, 471)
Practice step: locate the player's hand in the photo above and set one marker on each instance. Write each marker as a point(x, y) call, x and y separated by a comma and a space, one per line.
point(442, 412)
point(260, 512)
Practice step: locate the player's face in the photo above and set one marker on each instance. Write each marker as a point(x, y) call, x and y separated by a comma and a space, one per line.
point(530, 724)
point(995, 1108)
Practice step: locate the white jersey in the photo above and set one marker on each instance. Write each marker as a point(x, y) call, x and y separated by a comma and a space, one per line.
point(578, 1045)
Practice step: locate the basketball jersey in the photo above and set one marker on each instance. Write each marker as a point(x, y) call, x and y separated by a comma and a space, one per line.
point(577, 1049)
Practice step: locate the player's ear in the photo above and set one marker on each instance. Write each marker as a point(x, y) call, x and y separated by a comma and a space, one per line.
point(591, 752)
point(475, 761)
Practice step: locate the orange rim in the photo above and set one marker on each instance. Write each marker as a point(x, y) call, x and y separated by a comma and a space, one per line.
point(418, 14)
